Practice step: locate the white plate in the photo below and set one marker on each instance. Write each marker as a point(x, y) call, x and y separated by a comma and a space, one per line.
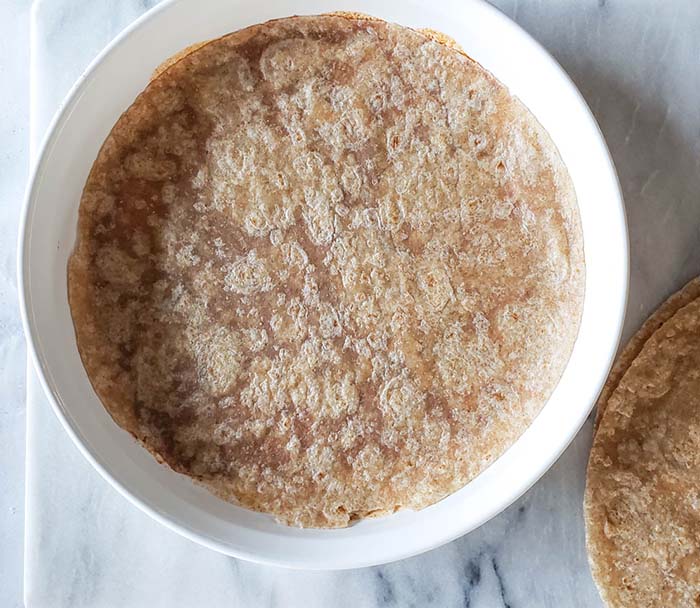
point(109, 86)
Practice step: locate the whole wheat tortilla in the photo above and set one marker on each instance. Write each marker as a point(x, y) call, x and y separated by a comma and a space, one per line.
point(642, 501)
point(328, 267)
point(678, 300)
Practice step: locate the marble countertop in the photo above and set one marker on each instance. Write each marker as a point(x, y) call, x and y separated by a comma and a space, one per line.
point(637, 63)
point(14, 153)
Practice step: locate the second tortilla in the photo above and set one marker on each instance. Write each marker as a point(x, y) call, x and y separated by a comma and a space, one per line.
point(642, 502)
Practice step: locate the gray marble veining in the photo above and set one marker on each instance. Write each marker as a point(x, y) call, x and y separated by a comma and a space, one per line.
point(637, 64)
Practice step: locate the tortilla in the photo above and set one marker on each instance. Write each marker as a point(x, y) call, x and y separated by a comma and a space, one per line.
point(642, 500)
point(328, 267)
point(678, 300)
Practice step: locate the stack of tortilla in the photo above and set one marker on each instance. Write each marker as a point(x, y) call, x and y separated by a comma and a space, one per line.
point(642, 502)
point(327, 266)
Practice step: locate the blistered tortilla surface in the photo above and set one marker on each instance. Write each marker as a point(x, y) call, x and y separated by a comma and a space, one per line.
point(327, 266)
point(642, 501)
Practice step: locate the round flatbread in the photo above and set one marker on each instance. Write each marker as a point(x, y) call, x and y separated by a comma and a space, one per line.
point(327, 266)
point(642, 501)
point(678, 300)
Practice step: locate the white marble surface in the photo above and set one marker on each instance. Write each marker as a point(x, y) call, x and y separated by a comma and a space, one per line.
point(14, 142)
point(637, 62)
